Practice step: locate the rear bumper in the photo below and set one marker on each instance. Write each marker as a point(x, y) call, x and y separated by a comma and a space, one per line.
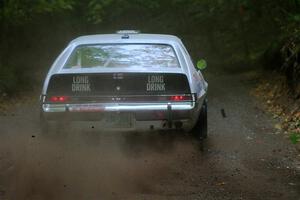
point(86, 112)
point(109, 107)
point(163, 115)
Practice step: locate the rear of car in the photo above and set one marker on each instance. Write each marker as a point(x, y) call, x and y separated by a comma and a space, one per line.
point(137, 82)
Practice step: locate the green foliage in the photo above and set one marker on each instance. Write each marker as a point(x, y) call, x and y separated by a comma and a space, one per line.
point(96, 10)
point(295, 138)
point(228, 31)
point(18, 12)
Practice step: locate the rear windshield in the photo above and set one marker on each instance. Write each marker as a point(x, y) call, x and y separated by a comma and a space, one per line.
point(122, 55)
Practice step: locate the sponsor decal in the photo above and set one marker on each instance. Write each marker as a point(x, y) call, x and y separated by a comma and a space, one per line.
point(155, 83)
point(81, 84)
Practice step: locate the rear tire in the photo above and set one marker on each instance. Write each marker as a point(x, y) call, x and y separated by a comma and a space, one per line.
point(200, 129)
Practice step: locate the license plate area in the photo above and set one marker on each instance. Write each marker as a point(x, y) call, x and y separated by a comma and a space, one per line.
point(118, 120)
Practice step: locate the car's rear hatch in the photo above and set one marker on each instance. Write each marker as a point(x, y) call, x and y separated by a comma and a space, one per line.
point(120, 87)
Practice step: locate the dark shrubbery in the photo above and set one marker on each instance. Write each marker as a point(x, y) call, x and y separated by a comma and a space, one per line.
point(291, 66)
point(8, 80)
point(230, 32)
point(284, 57)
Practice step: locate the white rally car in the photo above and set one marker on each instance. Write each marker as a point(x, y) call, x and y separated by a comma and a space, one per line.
point(127, 81)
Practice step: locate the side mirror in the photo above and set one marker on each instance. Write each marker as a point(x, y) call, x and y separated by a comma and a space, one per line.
point(201, 64)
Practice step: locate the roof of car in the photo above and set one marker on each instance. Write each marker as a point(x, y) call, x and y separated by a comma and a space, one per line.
point(125, 38)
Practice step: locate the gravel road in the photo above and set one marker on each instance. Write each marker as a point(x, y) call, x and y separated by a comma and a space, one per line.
point(243, 158)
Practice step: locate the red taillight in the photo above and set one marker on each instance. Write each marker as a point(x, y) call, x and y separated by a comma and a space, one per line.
point(180, 98)
point(59, 99)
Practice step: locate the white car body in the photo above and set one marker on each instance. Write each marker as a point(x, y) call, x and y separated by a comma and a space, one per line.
point(53, 111)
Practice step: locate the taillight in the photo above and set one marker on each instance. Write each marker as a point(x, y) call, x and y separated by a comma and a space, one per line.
point(180, 98)
point(59, 99)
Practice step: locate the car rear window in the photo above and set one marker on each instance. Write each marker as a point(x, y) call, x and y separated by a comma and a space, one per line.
point(122, 55)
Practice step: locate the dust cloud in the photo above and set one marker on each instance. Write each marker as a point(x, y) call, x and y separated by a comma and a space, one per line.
point(88, 164)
